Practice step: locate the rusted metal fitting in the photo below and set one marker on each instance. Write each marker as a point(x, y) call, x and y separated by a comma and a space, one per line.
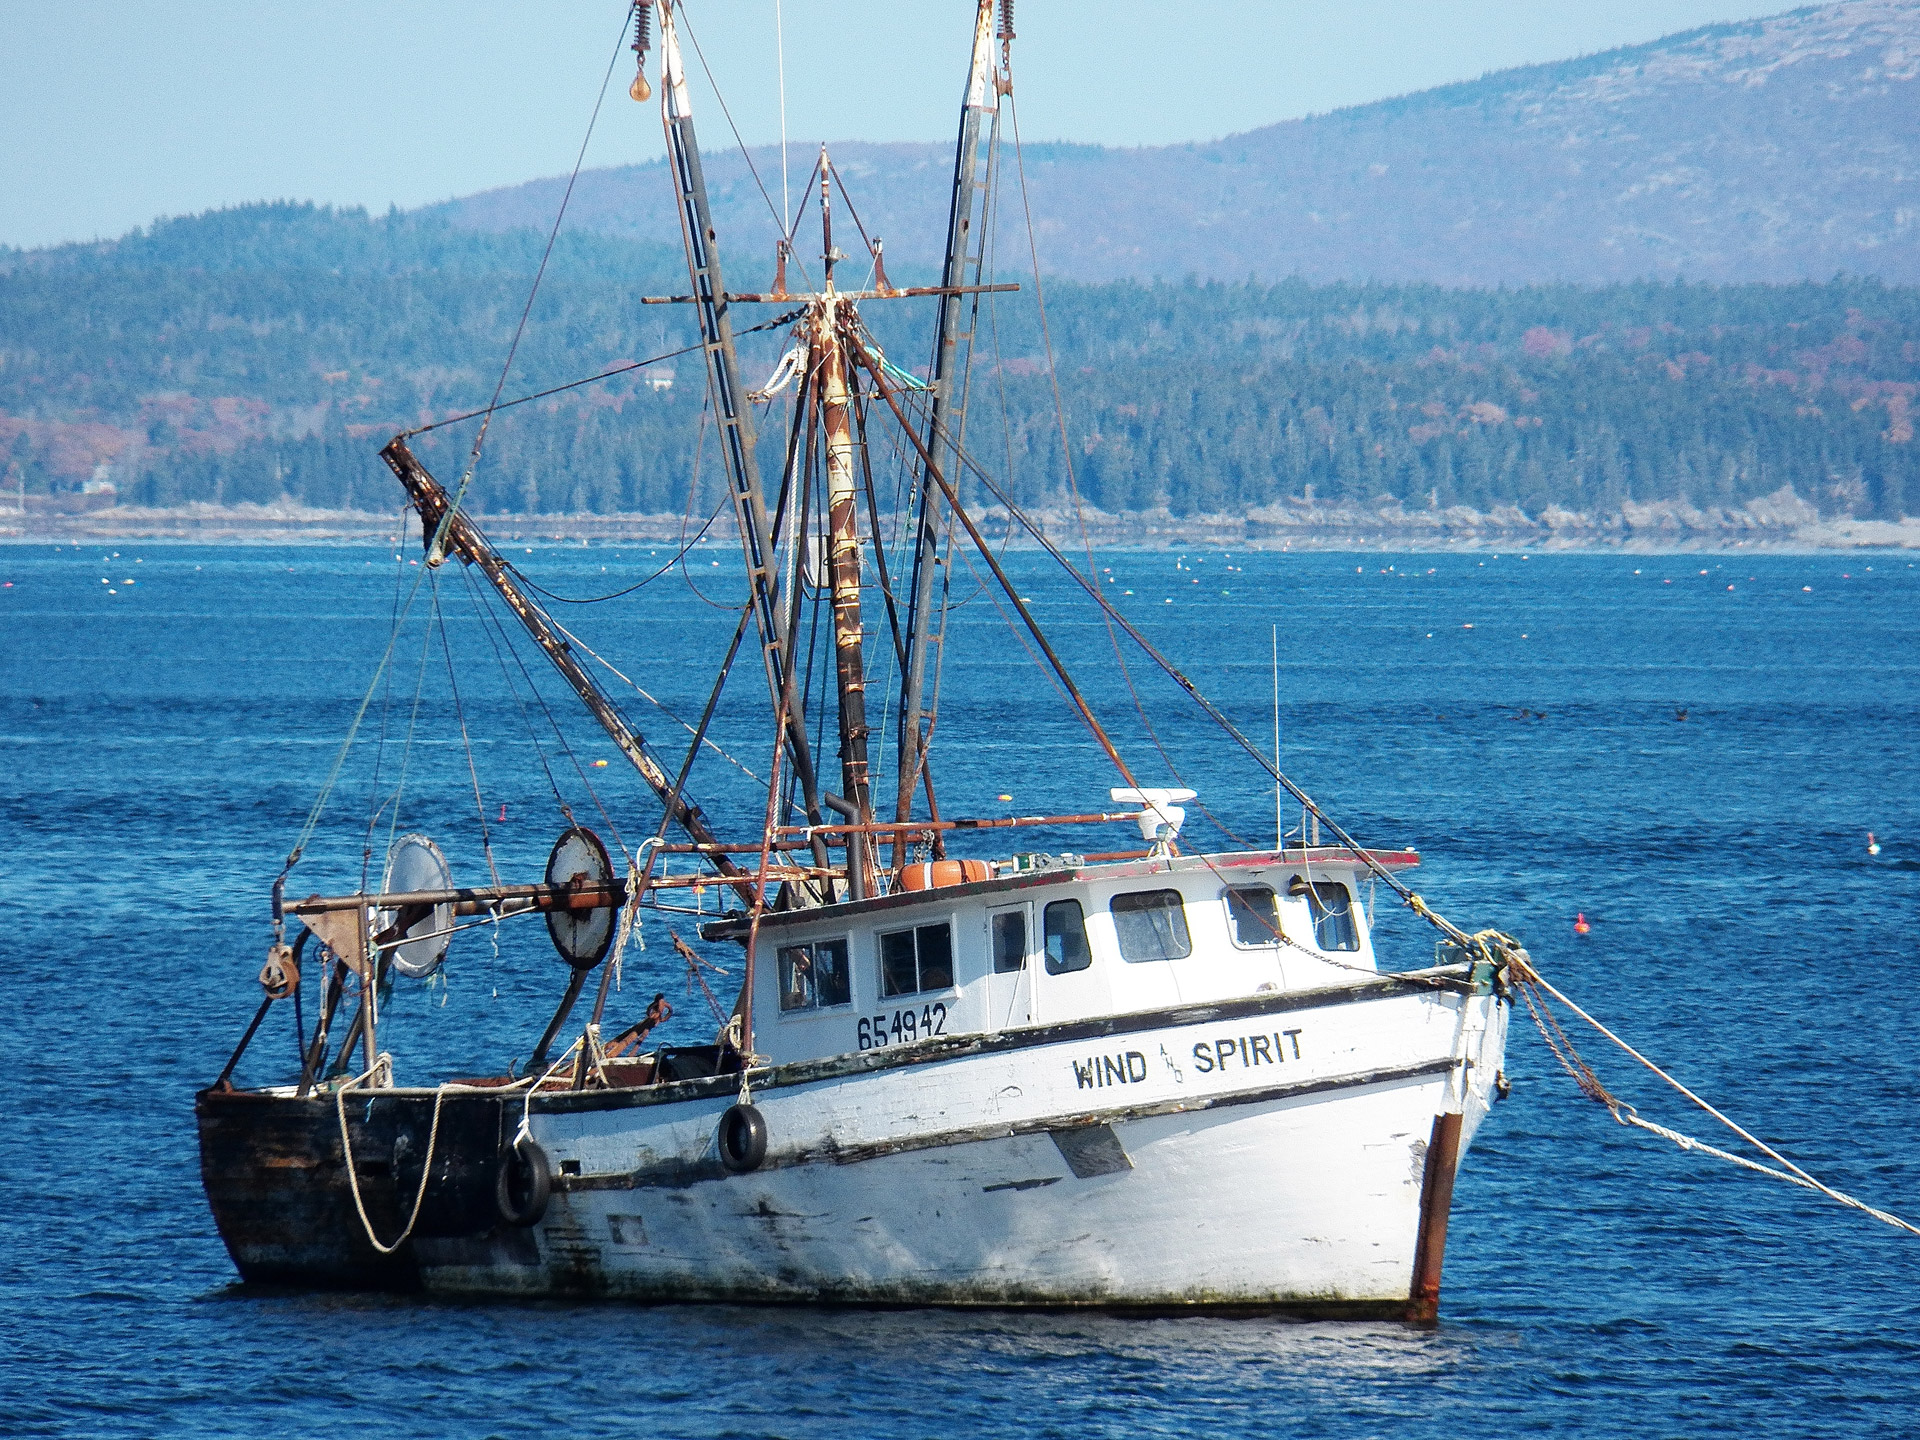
point(279, 977)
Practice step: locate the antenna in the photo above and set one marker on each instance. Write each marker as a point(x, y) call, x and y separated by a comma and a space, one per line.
point(1279, 795)
point(780, 55)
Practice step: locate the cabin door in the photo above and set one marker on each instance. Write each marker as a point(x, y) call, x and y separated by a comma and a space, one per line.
point(1009, 966)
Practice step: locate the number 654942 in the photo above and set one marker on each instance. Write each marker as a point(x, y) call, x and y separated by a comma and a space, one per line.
point(902, 1027)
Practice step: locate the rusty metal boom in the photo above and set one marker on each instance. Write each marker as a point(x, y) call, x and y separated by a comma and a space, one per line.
point(464, 540)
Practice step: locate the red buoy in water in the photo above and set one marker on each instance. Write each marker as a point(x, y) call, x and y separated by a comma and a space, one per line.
point(1580, 925)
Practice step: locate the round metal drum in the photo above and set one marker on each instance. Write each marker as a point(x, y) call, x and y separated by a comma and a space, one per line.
point(581, 936)
point(415, 863)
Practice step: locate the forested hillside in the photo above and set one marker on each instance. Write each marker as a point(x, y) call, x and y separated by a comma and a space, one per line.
point(270, 350)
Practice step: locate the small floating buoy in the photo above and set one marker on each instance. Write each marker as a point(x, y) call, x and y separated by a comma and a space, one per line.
point(599, 764)
point(503, 814)
point(1580, 925)
point(1006, 797)
point(1873, 845)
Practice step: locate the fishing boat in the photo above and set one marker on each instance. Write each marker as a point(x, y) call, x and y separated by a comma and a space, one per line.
point(1135, 1074)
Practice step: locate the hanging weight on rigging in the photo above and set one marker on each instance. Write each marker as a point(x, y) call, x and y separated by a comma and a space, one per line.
point(642, 42)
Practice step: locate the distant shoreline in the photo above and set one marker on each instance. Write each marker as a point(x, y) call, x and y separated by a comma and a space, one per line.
point(1781, 522)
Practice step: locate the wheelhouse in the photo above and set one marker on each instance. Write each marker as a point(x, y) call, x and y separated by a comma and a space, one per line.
point(1058, 943)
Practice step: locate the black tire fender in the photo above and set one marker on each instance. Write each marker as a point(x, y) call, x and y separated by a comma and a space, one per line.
point(742, 1138)
point(523, 1183)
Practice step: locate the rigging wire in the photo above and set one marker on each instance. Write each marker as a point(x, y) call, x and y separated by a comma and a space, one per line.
point(413, 721)
point(620, 369)
point(867, 361)
point(353, 730)
point(466, 741)
point(496, 635)
point(657, 704)
point(780, 58)
point(1214, 712)
point(693, 498)
point(739, 143)
point(572, 759)
point(433, 547)
point(436, 546)
point(490, 410)
point(521, 575)
point(846, 195)
point(1073, 484)
point(374, 803)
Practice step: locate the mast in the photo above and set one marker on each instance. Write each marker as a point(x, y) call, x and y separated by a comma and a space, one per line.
point(734, 420)
point(966, 229)
point(843, 533)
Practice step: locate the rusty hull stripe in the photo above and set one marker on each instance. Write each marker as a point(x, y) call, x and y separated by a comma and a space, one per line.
point(679, 1174)
point(1436, 1204)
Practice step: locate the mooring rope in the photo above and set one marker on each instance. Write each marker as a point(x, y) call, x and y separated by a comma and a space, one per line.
point(1529, 980)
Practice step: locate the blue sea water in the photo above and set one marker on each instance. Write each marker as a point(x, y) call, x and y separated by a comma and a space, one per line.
point(167, 715)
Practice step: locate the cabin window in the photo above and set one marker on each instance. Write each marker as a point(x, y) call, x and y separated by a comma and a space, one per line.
point(917, 959)
point(1150, 925)
point(1331, 904)
point(1254, 914)
point(1065, 926)
point(815, 976)
point(1009, 941)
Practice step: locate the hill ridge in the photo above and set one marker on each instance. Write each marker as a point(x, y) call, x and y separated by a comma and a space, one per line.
point(1774, 149)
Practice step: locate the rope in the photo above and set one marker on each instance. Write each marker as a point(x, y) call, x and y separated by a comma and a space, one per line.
point(353, 1174)
point(527, 1084)
point(1529, 980)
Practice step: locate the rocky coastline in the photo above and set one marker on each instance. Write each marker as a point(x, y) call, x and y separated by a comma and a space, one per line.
point(1782, 521)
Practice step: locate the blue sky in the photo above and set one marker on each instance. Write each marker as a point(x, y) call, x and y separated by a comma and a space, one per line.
point(111, 115)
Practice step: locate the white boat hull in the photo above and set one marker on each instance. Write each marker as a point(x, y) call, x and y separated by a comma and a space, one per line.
point(1270, 1153)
